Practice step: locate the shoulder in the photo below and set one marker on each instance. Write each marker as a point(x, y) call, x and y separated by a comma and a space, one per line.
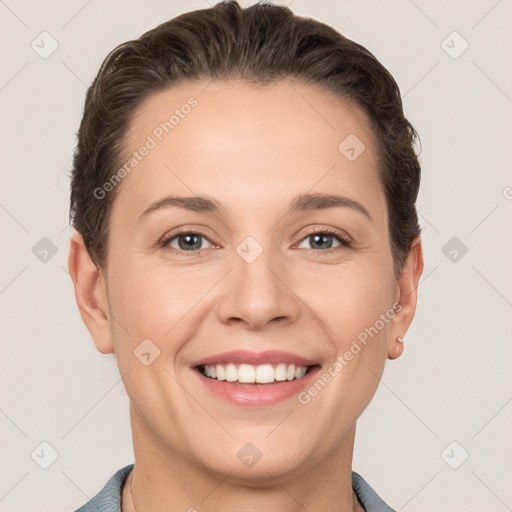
point(109, 498)
point(370, 500)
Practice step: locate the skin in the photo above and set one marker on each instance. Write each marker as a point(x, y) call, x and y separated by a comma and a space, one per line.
point(253, 149)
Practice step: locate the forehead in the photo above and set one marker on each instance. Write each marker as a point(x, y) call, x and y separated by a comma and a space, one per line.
point(245, 143)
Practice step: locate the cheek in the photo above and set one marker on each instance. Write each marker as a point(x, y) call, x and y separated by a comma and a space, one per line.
point(350, 308)
point(350, 300)
point(152, 303)
point(150, 299)
point(362, 320)
point(156, 302)
point(355, 307)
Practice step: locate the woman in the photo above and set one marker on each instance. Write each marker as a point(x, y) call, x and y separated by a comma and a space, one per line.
point(247, 244)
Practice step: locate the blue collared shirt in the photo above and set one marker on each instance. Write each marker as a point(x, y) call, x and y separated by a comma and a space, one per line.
point(109, 498)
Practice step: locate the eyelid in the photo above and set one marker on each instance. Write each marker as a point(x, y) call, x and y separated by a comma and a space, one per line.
point(345, 237)
point(183, 230)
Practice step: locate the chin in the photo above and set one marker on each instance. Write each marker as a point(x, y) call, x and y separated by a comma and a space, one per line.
point(258, 463)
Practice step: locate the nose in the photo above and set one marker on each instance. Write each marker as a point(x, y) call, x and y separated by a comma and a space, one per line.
point(258, 294)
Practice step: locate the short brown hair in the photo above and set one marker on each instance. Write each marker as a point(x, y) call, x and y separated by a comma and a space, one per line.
point(261, 43)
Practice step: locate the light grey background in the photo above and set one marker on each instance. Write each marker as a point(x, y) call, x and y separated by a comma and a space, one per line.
point(453, 382)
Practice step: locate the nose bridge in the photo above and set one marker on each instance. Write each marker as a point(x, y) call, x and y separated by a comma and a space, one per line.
point(256, 292)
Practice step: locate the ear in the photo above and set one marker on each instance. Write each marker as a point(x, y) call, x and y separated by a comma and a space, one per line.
point(91, 294)
point(406, 296)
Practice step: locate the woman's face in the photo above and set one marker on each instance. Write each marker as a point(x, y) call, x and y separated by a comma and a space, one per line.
point(277, 254)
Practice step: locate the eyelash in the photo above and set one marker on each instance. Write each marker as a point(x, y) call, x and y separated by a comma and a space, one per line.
point(344, 240)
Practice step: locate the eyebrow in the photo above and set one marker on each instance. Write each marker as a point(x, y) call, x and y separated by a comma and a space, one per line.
point(319, 201)
point(303, 202)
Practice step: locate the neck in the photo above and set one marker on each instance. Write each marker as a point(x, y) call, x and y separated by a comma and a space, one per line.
point(166, 481)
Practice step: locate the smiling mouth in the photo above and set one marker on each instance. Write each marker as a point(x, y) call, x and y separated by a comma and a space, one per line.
point(263, 374)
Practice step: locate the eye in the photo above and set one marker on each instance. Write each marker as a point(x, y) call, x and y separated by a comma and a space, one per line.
point(191, 242)
point(186, 242)
point(323, 239)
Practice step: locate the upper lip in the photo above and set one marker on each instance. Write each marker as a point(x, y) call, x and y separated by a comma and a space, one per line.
point(254, 358)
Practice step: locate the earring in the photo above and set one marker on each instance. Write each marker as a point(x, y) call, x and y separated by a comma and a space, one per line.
point(400, 340)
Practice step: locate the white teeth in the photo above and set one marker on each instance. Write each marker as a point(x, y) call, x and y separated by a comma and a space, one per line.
point(246, 374)
point(265, 373)
point(280, 372)
point(231, 373)
point(249, 374)
point(300, 371)
point(221, 374)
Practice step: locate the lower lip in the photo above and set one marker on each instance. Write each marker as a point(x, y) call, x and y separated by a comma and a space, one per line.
point(257, 394)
